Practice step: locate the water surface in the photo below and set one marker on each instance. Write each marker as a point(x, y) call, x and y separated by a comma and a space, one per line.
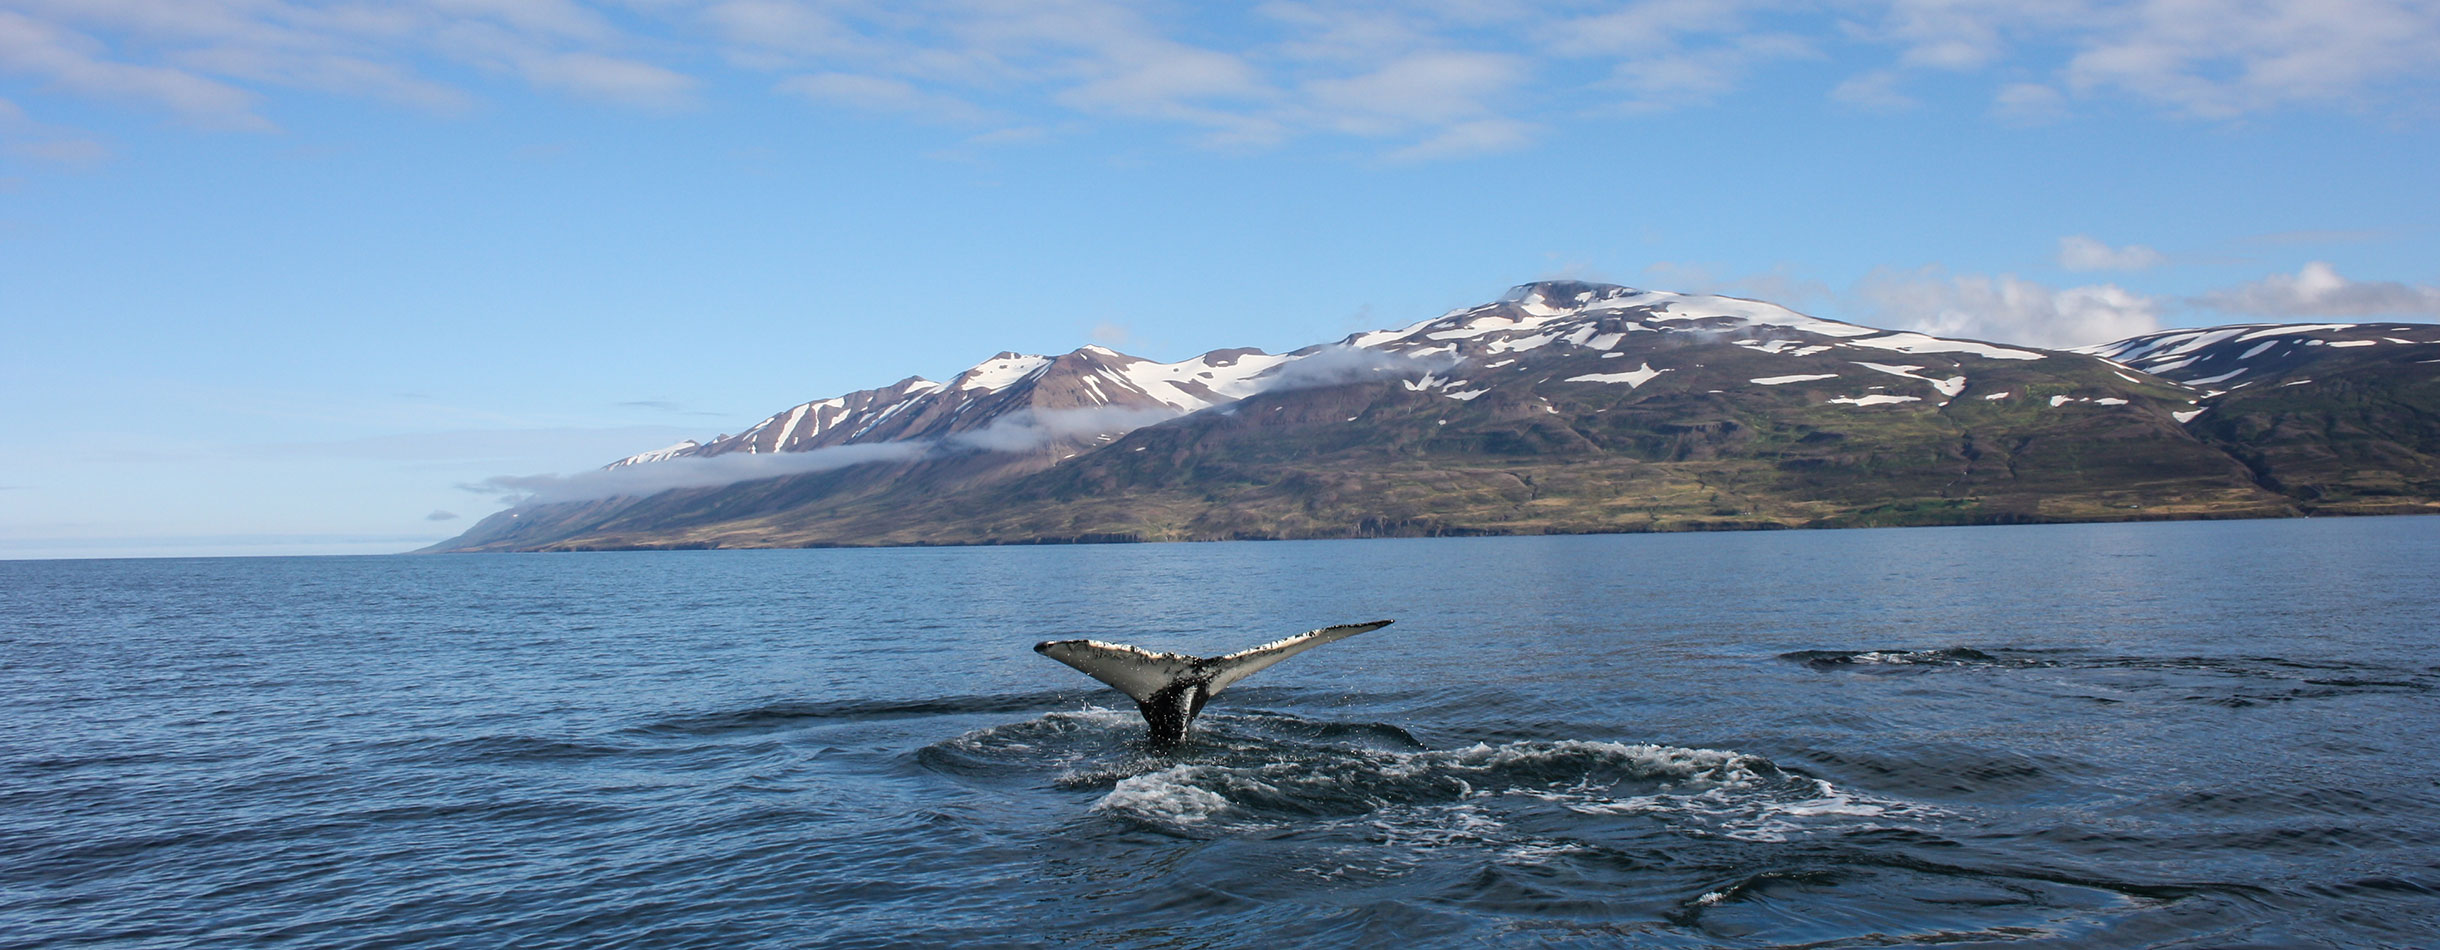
point(2192, 735)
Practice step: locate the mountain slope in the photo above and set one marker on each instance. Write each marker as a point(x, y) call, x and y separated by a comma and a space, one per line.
point(2340, 416)
point(1562, 407)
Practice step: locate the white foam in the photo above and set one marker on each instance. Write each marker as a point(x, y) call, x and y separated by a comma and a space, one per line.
point(1169, 795)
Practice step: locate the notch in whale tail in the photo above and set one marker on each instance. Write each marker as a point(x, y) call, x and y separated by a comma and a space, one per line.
point(1171, 688)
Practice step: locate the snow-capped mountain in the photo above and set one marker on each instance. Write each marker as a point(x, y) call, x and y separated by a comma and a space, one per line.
point(1006, 386)
point(2226, 358)
point(1537, 324)
point(1561, 407)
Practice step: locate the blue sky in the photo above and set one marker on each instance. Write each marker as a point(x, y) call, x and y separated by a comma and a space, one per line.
point(279, 276)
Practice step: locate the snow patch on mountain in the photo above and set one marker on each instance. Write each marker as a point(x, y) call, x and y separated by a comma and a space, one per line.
point(1633, 378)
point(661, 454)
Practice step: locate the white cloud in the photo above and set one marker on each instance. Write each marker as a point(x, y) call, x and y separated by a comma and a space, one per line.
point(2230, 57)
point(1875, 91)
point(2211, 58)
point(72, 60)
point(2027, 103)
point(693, 472)
point(1338, 365)
point(1023, 431)
point(2083, 252)
point(781, 25)
point(1422, 80)
point(611, 79)
point(1425, 88)
point(1479, 137)
point(879, 94)
point(1697, 76)
point(2005, 308)
point(2319, 291)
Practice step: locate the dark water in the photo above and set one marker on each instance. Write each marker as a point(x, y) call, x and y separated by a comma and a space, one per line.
point(2184, 735)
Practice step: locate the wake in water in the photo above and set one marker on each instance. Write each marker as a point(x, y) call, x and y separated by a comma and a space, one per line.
point(2230, 681)
point(1578, 837)
point(1268, 773)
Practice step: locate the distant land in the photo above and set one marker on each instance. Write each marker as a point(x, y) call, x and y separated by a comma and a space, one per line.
point(1563, 407)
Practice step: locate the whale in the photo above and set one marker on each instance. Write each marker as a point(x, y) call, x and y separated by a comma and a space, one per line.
point(1171, 688)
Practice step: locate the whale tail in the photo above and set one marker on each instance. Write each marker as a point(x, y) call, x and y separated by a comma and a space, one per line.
point(1171, 688)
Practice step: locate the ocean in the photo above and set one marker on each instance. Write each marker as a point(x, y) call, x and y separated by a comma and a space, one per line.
point(2202, 734)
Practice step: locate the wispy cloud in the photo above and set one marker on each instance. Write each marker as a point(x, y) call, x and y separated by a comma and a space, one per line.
point(1340, 365)
point(694, 472)
point(1023, 431)
point(2318, 290)
point(2004, 308)
point(1414, 81)
point(881, 94)
point(79, 63)
point(2082, 252)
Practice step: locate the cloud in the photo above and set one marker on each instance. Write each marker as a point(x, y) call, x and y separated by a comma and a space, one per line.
point(74, 152)
point(1023, 431)
point(2222, 58)
point(1479, 137)
point(2080, 252)
point(2319, 291)
point(71, 60)
point(441, 516)
point(1419, 81)
point(1778, 285)
point(1422, 89)
point(2028, 103)
point(1875, 91)
point(1338, 365)
point(1699, 76)
point(782, 26)
point(1026, 431)
point(2004, 308)
point(691, 472)
point(612, 79)
point(879, 94)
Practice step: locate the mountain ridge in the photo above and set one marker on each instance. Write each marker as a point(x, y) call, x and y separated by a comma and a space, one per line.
point(1563, 406)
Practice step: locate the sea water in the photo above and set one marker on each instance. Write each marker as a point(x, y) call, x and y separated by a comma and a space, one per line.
point(2188, 735)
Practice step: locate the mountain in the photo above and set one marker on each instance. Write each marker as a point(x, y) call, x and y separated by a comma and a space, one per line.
point(2339, 416)
point(1562, 407)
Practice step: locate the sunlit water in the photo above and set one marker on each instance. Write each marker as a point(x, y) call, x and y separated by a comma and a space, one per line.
point(2192, 735)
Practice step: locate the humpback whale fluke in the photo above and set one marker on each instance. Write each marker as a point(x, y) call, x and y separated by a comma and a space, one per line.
point(1171, 688)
